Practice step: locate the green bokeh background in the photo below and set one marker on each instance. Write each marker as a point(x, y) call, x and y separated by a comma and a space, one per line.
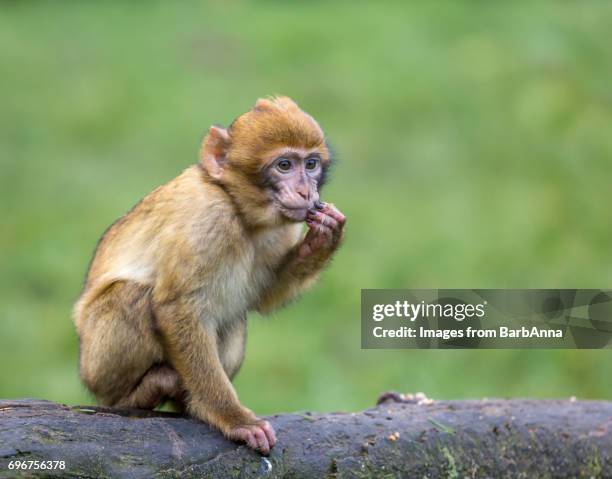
point(474, 147)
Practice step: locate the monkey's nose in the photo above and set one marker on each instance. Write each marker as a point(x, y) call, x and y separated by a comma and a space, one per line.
point(303, 192)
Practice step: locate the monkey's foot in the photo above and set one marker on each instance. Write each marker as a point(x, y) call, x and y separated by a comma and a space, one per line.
point(259, 436)
point(417, 398)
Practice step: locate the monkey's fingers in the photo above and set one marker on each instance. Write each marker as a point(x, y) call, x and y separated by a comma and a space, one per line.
point(270, 434)
point(331, 210)
point(319, 235)
point(262, 441)
point(335, 223)
point(249, 438)
point(324, 219)
point(254, 435)
point(243, 433)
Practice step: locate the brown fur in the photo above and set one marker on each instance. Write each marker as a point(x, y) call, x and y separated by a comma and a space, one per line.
point(163, 311)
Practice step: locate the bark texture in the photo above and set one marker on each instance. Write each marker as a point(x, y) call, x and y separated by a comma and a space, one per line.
point(453, 439)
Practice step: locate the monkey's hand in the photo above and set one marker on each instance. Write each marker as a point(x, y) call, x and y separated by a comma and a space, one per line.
point(258, 434)
point(303, 263)
point(325, 232)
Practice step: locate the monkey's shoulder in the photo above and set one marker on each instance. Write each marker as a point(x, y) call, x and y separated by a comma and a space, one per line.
point(184, 217)
point(185, 203)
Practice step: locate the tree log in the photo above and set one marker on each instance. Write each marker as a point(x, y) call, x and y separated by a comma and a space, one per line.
point(454, 439)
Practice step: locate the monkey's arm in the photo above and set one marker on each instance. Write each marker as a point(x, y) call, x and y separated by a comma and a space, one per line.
point(304, 262)
point(192, 351)
point(293, 277)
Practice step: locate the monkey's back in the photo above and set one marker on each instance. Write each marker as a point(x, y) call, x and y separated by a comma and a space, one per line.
point(176, 222)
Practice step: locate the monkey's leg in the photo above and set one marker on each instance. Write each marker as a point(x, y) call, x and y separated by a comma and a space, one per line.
point(118, 344)
point(193, 353)
point(159, 383)
point(231, 343)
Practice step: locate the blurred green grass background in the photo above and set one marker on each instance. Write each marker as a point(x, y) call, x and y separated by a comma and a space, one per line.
point(474, 146)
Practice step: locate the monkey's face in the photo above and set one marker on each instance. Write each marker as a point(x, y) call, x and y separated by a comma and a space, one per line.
point(272, 160)
point(291, 179)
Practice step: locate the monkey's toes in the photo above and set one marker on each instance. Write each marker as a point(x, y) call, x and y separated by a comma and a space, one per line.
point(259, 436)
point(269, 430)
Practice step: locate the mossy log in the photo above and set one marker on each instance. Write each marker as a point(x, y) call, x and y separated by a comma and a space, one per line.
point(453, 439)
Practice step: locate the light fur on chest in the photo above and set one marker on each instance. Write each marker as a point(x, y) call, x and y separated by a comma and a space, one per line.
point(241, 281)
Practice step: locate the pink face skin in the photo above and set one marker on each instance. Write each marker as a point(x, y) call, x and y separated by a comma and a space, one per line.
point(292, 179)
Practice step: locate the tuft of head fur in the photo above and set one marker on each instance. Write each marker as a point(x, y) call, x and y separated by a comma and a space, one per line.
point(272, 123)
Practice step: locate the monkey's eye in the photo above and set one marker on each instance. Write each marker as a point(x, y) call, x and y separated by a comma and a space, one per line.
point(283, 164)
point(311, 163)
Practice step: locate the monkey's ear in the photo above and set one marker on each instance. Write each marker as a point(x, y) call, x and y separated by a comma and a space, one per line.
point(213, 155)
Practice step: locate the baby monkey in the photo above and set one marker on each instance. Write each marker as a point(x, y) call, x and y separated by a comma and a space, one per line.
point(163, 312)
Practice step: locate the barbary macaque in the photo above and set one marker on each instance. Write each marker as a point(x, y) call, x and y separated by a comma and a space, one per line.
point(164, 308)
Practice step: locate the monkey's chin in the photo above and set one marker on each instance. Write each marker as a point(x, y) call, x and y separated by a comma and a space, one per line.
point(295, 215)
